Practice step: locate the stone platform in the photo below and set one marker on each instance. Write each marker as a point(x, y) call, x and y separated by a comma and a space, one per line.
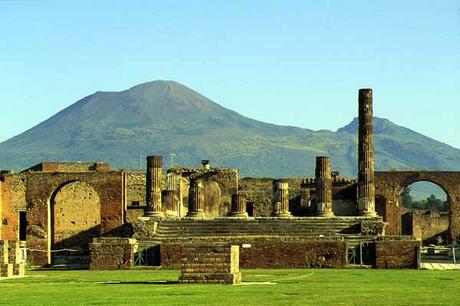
point(210, 263)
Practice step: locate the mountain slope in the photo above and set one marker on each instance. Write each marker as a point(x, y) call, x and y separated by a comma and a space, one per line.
point(164, 117)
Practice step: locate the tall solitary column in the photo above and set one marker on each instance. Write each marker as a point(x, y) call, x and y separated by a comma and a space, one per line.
point(281, 199)
point(196, 200)
point(323, 180)
point(153, 186)
point(366, 187)
point(238, 209)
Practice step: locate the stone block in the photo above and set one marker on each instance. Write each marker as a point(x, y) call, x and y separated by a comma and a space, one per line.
point(6, 270)
point(3, 251)
point(203, 264)
point(19, 269)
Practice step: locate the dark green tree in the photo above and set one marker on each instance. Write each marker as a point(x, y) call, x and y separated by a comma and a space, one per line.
point(406, 199)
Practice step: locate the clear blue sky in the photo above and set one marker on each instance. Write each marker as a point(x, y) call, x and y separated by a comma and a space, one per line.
point(295, 63)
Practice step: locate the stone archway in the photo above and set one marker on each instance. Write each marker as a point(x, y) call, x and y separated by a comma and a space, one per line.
point(428, 220)
point(75, 216)
point(390, 184)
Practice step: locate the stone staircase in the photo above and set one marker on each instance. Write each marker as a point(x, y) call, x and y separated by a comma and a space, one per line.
point(347, 227)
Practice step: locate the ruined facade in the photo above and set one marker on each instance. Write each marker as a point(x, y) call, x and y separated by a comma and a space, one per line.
point(65, 210)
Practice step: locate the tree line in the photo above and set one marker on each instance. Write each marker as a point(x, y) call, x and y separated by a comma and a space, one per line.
point(430, 203)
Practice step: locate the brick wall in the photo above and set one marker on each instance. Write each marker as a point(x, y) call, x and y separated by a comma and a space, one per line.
point(396, 254)
point(275, 254)
point(112, 253)
point(12, 200)
point(40, 188)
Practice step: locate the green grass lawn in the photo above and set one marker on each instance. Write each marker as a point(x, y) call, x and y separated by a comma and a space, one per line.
point(290, 287)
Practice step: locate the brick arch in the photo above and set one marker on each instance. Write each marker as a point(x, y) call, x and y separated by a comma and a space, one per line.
point(390, 184)
point(74, 212)
point(41, 186)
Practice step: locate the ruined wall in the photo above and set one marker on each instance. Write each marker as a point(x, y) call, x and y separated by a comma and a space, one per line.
point(40, 188)
point(68, 167)
point(390, 184)
point(112, 253)
point(135, 188)
point(219, 185)
point(258, 192)
point(294, 255)
point(274, 254)
point(396, 254)
point(76, 216)
point(12, 201)
point(427, 226)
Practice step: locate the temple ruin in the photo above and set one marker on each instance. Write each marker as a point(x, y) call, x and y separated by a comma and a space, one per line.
point(82, 215)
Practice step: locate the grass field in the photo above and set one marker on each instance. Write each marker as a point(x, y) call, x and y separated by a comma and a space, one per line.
point(269, 287)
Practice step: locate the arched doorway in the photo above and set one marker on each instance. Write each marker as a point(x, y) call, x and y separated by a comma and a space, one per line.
point(75, 219)
point(425, 212)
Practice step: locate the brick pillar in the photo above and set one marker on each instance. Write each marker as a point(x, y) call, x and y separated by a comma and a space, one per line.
point(281, 199)
point(366, 187)
point(323, 182)
point(196, 200)
point(238, 209)
point(154, 181)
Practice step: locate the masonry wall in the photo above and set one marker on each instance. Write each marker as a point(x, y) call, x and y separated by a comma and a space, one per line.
point(112, 253)
point(274, 254)
point(258, 192)
point(135, 188)
point(40, 188)
point(69, 167)
point(390, 184)
point(12, 201)
point(396, 254)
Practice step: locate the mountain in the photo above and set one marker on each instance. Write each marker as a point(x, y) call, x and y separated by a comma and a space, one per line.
point(165, 117)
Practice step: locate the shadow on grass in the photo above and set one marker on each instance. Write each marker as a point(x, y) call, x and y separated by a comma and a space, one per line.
point(139, 283)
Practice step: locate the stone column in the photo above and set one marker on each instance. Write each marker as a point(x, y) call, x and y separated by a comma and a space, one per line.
point(170, 203)
point(305, 196)
point(323, 182)
point(154, 182)
point(366, 187)
point(281, 199)
point(238, 209)
point(196, 200)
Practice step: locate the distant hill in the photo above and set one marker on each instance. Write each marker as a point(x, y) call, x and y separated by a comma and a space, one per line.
point(165, 117)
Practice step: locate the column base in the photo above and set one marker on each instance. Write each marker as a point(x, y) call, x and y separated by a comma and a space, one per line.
point(368, 214)
point(325, 214)
point(196, 215)
point(282, 215)
point(153, 214)
point(239, 215)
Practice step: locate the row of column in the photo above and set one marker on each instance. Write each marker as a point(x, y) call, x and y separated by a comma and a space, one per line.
point(323, 178)
point(155, 196)
point(196, 207)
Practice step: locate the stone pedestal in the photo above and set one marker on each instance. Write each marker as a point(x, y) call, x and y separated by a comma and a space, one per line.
point(203, 264)
point(281, 199)
point(323, 182)
point(238, 209)
point(153, 186)
point(196, 200)
point(12, 259)
point(366, 186)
